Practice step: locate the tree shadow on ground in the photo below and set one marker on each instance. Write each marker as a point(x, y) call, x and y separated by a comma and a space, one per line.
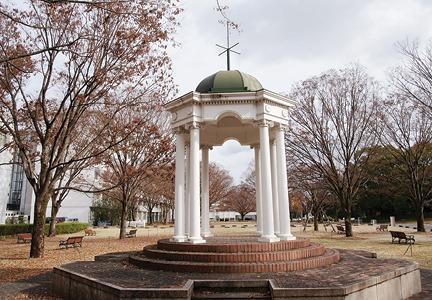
point(30, 287)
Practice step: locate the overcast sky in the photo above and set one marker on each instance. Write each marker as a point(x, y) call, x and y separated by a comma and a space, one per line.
point(285, 41)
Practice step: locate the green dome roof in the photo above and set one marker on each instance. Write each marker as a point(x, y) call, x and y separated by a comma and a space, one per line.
point(228, 82)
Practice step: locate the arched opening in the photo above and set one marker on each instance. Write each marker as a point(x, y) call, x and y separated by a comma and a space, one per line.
point(231, 164)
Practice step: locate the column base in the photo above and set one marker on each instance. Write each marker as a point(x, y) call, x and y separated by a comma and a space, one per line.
point(196, 240)
point(179, 239)
point(259, 232)
point(206, 234)
point(286, 237)
point(268, 239)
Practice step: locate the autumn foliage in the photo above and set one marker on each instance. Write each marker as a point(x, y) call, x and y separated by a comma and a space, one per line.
point(68, 69)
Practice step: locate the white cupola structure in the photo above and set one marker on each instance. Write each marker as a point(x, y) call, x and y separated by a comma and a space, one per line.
point(230, 105)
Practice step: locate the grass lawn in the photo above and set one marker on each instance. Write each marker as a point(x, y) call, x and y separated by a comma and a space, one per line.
point(367, 238)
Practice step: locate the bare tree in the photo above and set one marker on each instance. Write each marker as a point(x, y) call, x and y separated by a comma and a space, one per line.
point(80, 175)
point(69, 178)
point(312, 192)
point(334, 121)
point(241, 200)
point(75, 64)
point(166, 190)
point(413, 79)
point(157, 191)
point(220, 184)
point(407, 128)
point(131, 165)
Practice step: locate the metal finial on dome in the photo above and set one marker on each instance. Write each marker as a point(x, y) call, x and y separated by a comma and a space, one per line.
point(228, 48)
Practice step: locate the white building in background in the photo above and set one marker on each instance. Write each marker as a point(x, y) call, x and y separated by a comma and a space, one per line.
point(17, 197)
point(15, 192)
point(230, 216)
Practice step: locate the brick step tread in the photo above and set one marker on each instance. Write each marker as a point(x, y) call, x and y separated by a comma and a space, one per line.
point(234, 247)
point(328, 252)
point(292, 254)
point(331, 256)
point(230, 295)
point(262, 290)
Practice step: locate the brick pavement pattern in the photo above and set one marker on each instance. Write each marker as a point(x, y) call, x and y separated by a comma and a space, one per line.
point(353, 267)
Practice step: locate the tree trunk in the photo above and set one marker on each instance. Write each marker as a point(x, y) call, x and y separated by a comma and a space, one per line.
point(123, 218)
point(306, 222)
point(315, 220)
point(347, 210)
point(37, 243)
point(150, 214)
point(420, 219)
point(52, 227)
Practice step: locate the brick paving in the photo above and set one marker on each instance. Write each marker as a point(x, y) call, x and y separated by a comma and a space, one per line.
point(352, 268)
point(39, 287)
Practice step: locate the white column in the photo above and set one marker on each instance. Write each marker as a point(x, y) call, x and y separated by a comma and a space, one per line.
point(258, 189)
point(187, 192)
point(194, 233)
point(179, 234)
point(284, 213)
point(267, 201)
point(205, 209)
point(274, 178)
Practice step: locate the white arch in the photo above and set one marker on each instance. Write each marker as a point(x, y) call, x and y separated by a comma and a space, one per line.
point(228, 113)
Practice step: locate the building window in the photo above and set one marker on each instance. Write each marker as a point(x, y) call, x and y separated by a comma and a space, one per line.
point(16, 186)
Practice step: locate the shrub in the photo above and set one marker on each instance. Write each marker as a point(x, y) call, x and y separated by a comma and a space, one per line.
point(11, 229)
point(61, 228)
point(67, 227)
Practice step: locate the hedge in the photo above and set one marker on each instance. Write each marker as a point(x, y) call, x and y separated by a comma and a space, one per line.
point(67, 227)
point(11, 229)
point(61, 228)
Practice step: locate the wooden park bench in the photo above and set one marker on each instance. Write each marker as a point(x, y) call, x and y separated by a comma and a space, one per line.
point(340, 229)
point(131, 233)
point(399, 236)
point(24, 238)
point(89, 231)
point(74, 241)
point(382, 227)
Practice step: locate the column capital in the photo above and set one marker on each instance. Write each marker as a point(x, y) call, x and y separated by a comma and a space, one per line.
point(206, 147)
point(255, 146)
point(193, 125)
point(179, 130)
point(281, 127)
point(264, 123)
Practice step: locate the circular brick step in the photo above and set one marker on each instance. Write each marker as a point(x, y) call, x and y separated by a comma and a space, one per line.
point(312, 250)
point(329, 257)
point(232, 245)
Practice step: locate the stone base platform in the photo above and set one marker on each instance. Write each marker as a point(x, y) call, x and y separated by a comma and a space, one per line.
point(356, 276)
point(235, 255)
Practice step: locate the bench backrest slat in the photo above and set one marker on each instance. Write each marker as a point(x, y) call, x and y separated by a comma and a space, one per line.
point(24, 235)
point(398, 234)
point(74, 239)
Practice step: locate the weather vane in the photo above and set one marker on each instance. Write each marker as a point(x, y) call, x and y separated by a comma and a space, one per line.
point(228, 48)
